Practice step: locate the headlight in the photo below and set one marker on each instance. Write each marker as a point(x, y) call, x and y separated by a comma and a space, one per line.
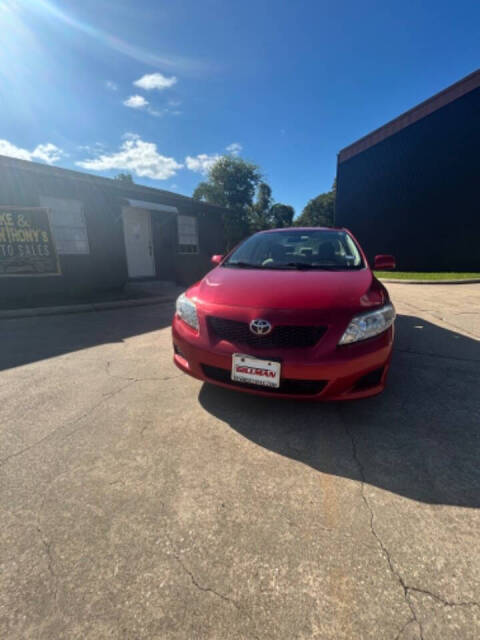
point(187, 311)
point(369, 324)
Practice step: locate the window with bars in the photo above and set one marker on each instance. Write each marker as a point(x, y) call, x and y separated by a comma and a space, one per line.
point(187, 234)
point(67, 221)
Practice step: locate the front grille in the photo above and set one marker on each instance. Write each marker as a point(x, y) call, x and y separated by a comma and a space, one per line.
point(287, 385)
point(280, 336)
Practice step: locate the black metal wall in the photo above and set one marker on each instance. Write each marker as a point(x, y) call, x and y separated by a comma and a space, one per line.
point(416, 194)
point(105, 267)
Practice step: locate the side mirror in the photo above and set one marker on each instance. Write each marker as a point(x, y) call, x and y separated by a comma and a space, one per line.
point(217, 258)
point(384, 263)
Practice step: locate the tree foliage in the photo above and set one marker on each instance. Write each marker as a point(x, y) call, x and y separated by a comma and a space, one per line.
point(319, 211)
point(231, 183)
point(237, 185)
point(127, 178)
point(260, 217)
point(281, 215)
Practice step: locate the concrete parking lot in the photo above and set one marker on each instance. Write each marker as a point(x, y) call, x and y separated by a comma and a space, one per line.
point(137, 503)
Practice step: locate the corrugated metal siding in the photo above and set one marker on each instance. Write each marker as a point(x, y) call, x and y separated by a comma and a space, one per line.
point(424, 109)
point(415, 194)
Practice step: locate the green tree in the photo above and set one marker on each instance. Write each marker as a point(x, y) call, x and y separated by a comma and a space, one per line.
point(231, 183)
point(127, 178)
point(281, 215)
point(320, 211)
point(260, 213)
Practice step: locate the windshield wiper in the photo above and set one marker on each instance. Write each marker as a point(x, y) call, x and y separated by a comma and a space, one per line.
point(241, 264)
point(300, 266)
point(306, 265)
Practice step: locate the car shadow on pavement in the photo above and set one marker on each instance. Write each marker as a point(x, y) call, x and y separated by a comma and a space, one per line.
point(419, 439)
point(26, 340)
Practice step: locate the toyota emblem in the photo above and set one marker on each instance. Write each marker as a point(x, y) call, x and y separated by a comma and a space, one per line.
point(260, 327)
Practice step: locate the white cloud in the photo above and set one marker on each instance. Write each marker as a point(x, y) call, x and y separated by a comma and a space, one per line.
point(155, 81)
point(201, 163)
point(129, 135)
point(8, 149)
point(234, 148)
point(48, 152)
point(113, 86)
point(156, 113)
point(137, 156)
point(136, 102)
point(97, 147)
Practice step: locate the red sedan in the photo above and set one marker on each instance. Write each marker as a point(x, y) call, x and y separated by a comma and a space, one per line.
point(293, 313)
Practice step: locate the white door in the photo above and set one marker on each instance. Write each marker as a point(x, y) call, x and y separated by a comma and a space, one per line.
point(137, 227)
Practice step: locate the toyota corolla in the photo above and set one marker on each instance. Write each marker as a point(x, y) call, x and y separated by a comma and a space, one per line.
point(294, 313)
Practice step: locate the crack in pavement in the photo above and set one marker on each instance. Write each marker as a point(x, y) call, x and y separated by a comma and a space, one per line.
point(383, 548)
point(195, 581)
point(105, 397)
point(407, 623)
point(199, 586)
point(132, 379)
point(208, 589)
point(339, 536)
point(407, 589)
point(48, 551)
point(443, 601)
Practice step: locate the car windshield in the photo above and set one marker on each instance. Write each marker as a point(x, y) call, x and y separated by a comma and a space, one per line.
point(321, 249)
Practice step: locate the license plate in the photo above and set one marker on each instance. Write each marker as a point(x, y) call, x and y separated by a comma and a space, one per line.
point(265, 373)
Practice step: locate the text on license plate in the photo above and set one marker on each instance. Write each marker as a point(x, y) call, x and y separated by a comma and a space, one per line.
point(265, 373)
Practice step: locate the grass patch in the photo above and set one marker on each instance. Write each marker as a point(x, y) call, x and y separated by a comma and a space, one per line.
point(416, 275)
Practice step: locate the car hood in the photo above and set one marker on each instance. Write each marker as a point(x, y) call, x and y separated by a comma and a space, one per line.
point(285, 289)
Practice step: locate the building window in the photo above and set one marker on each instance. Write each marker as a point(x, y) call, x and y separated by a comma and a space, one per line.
point(67, 220)
point(187, 234)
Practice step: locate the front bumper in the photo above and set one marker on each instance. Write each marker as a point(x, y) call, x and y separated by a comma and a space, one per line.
point(349, 372)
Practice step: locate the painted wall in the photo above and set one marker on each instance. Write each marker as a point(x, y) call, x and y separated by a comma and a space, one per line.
point(105, 267)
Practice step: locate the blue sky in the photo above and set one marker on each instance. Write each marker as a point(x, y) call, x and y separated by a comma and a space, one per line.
point(160, 88)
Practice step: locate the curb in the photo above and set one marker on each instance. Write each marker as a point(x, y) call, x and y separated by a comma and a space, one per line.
point(83, 308)
point(400, 281)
